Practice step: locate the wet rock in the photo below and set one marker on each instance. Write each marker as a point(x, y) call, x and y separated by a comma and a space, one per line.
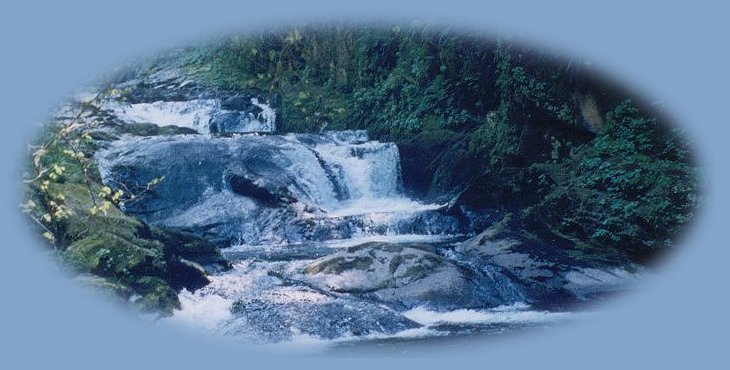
point(588, 283)
point(408, 275)
point(546, 273)
point(150, 129)
point(190, 248)
point(267, 193)
point(188, 275)
point(271, 319)
point(163, 82)
point(241, 102)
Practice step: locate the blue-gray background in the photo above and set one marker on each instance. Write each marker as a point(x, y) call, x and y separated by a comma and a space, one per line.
point(673, 53)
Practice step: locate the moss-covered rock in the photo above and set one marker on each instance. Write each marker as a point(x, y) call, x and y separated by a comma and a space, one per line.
point(151, 263)
point(156, 295)
point(107, 254)
point(191, 248)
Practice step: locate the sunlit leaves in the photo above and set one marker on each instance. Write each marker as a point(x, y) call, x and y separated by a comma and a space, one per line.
point(60, 156)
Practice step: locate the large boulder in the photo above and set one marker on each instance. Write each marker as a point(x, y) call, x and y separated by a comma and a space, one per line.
point(224, 189)
point(548, 273)
point(407, 275)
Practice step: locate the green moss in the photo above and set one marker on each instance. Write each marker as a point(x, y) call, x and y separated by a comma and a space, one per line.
point(107, 288)
point(156, 295)
point(126, 253)
point(108, 255)
point(108, 244)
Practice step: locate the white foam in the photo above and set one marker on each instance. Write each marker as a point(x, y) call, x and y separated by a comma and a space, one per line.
point(194, 114)
point(301, 343)
point(205, 311)
point(500, 315)
point(267, 115)
point(211, 305)
point(369, 170)
point(381, 206)
point(401, 238)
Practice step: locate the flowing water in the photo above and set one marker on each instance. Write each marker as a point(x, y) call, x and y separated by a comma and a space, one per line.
point(342, 190)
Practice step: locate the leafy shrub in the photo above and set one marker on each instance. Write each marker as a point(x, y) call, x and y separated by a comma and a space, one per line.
point(633, 187)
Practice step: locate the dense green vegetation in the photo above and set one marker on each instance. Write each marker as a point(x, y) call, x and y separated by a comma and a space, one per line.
point(506, 126)
point(632, 187)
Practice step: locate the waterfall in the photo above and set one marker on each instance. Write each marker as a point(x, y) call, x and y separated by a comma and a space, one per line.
point(365, 175)
point(367, 171)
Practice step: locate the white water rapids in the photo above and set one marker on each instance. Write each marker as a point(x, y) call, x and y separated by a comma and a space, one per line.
point(194, 114)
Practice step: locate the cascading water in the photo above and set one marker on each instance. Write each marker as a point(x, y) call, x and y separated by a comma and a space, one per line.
point(253, 189)
point(296, 214)
point(201, 115)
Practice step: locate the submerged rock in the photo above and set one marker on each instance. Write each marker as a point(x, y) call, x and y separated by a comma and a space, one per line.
point(279, 317)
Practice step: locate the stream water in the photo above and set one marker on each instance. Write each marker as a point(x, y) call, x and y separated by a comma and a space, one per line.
point(341, 190)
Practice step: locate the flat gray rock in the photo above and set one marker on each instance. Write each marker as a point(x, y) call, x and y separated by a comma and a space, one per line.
point(406, 274)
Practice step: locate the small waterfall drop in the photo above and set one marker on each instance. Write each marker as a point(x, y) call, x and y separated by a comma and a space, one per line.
point(202, 115)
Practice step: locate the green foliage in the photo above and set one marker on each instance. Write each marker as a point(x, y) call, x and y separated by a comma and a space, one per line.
point(632, 187)
point(495, 141)
point(531, 86)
